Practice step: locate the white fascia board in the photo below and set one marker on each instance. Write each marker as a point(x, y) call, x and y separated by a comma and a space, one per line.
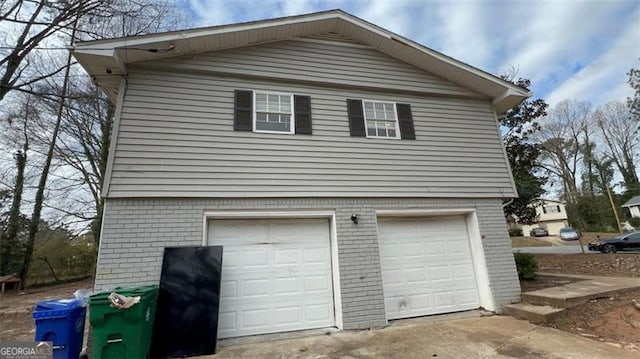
point(202, 32)
point(107, 48)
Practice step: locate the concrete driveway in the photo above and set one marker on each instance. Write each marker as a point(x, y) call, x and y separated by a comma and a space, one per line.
point(472, 337)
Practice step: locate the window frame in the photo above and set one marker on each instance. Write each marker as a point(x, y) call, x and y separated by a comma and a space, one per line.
point(551, 209)
point(292, 119)
point(397, 120)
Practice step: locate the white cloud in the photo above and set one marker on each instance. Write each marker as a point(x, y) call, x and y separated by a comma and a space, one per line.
point(567, 48)
point(604, 79)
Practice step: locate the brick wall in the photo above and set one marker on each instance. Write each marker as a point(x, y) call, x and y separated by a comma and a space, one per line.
point(136, 231)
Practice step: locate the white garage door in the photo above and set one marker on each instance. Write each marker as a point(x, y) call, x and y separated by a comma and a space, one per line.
point(276, 275)
point(426, 266)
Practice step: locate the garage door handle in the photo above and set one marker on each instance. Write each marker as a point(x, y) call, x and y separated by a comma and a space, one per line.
point(111, 341)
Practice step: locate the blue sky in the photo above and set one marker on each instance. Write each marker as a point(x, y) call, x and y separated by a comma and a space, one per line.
point(570, 49)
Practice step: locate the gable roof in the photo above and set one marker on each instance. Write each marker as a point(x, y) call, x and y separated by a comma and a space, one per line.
point(634, 201)
point(106, 60)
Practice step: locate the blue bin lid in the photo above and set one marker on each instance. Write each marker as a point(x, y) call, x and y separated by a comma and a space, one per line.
point(55, 308)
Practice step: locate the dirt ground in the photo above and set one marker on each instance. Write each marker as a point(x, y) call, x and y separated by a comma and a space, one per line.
point(16, 308)
point(612, 319)
point(613, 265)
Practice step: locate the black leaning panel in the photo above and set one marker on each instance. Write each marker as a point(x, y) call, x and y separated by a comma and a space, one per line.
point(186, 322)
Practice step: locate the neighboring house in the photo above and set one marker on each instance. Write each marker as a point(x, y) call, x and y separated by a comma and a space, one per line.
point(353, 176)
point(634, 206)
point(551, 215)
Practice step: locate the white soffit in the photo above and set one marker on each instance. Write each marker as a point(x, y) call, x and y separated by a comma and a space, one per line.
point(105, 60)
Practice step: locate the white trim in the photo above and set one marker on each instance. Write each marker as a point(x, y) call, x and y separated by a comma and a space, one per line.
point(506, 158)
point(331, 42)
point(475, 243)
point(333, 238)
point(479, 262)
point(223, 29)
point(100, 242)
point(345, 23)
point(292, 119)
point(122, 88)
point(422, 212)
point(395, 110)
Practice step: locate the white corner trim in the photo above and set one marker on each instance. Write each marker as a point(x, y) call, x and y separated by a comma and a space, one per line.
point(333, 238)
point(114, 138)
point(505, 157)
point(479, 262)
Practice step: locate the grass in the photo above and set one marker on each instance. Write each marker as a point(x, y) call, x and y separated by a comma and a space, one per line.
point(528, 242)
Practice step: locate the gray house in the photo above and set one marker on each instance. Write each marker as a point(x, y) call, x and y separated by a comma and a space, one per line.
point(353, 176)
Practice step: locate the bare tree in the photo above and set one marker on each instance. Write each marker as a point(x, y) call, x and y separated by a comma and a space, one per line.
point(33, 22)
point(618, 130)
point(562, 138)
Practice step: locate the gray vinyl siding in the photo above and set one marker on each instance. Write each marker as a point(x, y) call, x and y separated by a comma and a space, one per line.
point(176, 139)
point(136, 231)
point(317, 62)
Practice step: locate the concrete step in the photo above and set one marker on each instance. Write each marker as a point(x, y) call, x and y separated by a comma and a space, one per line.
point(532, 313)
point(564, 298)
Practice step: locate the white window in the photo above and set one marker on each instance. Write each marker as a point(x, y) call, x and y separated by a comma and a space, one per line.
point(273, 112)
point(381, 119)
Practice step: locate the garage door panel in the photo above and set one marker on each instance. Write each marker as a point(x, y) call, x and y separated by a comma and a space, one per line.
point(427, 266)
point(276, 275)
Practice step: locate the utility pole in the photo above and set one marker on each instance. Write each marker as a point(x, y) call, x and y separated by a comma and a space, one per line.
point(613, 207)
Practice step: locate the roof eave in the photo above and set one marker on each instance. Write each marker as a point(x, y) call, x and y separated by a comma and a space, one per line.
point(106, 61)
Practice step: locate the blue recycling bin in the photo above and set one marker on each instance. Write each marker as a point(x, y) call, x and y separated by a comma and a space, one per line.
point(61, 322)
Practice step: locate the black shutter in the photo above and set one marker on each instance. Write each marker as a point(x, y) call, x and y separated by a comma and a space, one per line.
point(405, 120)
point(356, 118)
point(243, 111)
point(302, 111)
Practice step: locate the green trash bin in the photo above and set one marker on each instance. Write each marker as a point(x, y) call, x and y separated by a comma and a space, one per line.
point(122, 333)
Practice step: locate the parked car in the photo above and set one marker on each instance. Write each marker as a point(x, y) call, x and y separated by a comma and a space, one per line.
point(630, 240)
point(538, 232)
point(569, 234)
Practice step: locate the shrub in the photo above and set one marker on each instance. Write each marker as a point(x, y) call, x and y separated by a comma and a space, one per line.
point(634, 222)
point(527, 265)
point(515, 232)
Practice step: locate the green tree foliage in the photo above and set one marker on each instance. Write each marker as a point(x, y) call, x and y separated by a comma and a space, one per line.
point(592, 213)
point(57, 258)
point(520, 123)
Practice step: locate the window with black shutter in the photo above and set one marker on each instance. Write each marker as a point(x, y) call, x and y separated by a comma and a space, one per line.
point(272, 112)
point(380, 119)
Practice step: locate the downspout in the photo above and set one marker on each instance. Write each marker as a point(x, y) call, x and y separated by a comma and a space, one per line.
point(508, 203)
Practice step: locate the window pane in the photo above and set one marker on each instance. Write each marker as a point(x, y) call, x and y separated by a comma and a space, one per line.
point(379, 107)
point(261, 117)
point(273, 126)
point(382, 132)
point(285, 118)
point(285, 107)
